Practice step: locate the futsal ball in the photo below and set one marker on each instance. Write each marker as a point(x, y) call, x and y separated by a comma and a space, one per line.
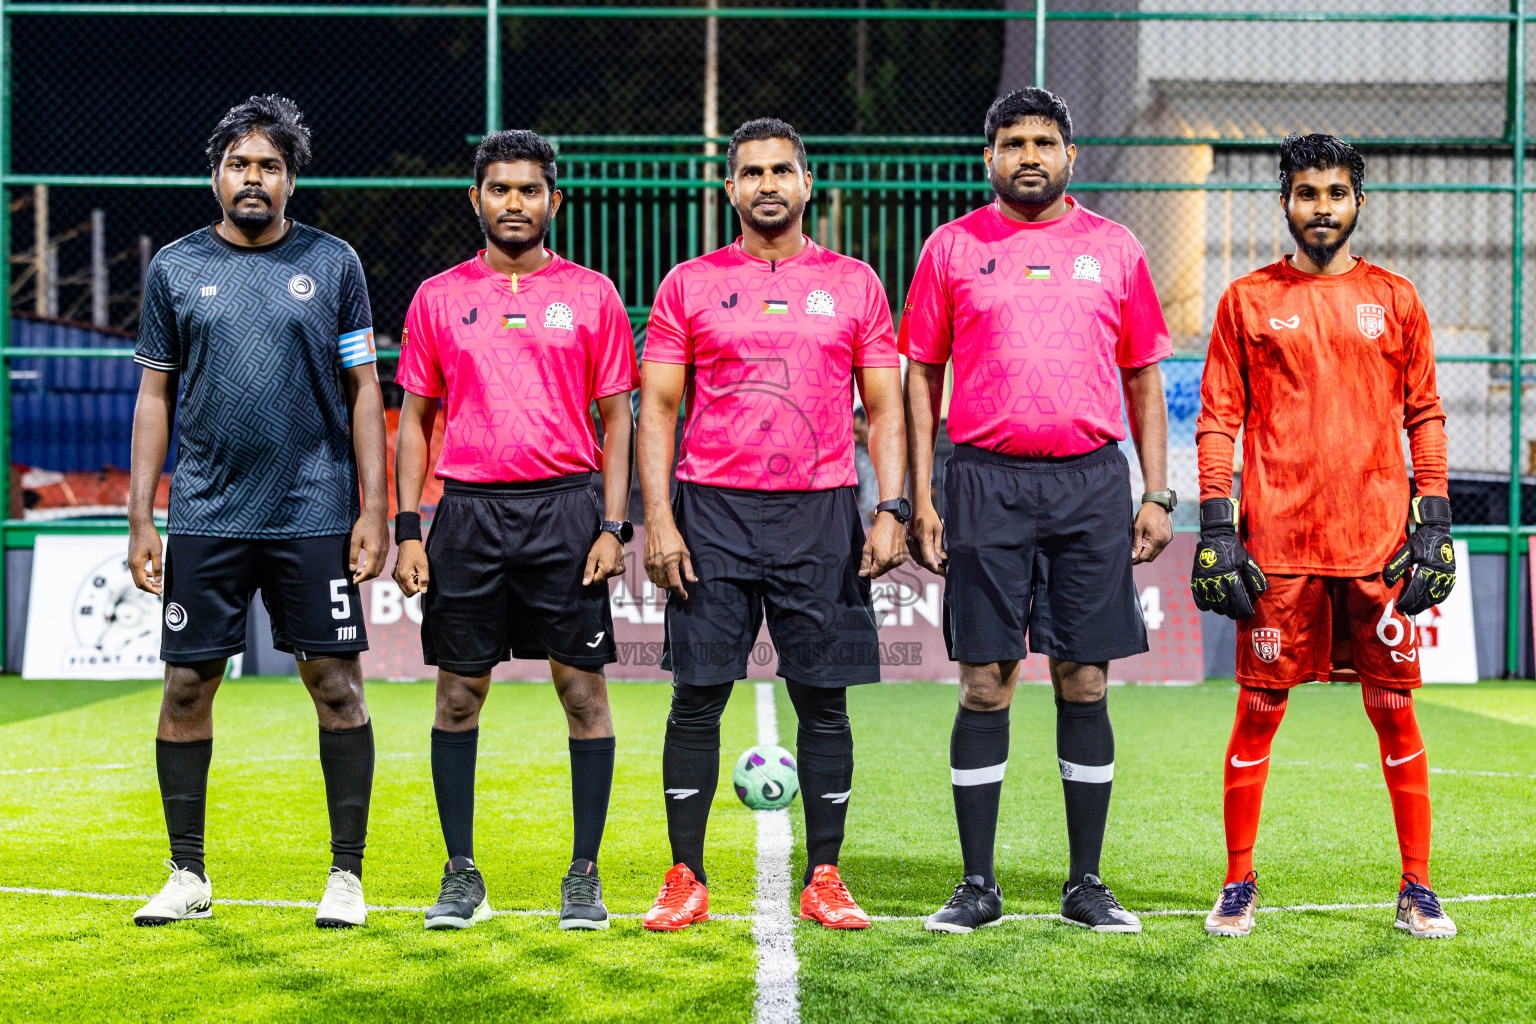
point(765, 778)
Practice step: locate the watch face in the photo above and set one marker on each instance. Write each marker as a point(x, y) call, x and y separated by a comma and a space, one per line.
point(903, 509)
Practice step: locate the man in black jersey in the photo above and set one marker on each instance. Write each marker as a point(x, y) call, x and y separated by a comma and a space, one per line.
point(264, 325)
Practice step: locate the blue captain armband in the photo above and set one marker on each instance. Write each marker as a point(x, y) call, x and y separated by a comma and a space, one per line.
point(356, 348)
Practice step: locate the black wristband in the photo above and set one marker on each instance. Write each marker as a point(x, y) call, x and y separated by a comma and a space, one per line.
point(1217, 512)
point(1432, 510)
point(407, 526)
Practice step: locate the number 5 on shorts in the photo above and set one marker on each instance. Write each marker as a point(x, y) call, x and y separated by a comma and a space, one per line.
point(340, 599)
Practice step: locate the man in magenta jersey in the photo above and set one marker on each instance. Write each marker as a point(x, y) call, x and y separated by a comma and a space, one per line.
point(1049, 313)
point(766, 338)
point(515, 345)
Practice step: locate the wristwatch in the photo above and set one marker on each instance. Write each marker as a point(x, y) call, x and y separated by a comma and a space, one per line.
point(1169, 499)
point(901, 508)
point(622, 530)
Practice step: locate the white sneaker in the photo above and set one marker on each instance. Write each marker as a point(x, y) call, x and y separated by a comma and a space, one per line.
point(185, 895)
point(342, 904)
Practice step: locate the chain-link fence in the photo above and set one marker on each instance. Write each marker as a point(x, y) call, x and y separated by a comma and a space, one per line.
point(1179, 106)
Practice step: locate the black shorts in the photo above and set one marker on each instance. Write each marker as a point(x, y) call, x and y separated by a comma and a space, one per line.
point(304, 582)
point(792, 555)
point(1042, 544)
point(506, 565)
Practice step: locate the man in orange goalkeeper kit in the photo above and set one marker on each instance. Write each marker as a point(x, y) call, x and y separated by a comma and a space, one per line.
point(1323, 359)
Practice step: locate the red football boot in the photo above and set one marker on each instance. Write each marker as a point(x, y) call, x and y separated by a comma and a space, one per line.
point(827, 901)
point(682, 901)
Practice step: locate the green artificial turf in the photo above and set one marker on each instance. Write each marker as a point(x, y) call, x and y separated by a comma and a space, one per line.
point(79, 811)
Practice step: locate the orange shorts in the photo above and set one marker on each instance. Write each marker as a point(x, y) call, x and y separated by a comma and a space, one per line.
point(1316, 628)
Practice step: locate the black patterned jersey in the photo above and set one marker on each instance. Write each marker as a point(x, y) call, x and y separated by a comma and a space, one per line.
point(259, 337)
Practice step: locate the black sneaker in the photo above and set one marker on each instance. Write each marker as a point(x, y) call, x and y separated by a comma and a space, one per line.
point(581, 897)
point(1091, 905)
point(462, 900)
point(971, 907)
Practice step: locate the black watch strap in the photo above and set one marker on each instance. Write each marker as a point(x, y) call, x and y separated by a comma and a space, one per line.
point(901, 508)
point(623, 530)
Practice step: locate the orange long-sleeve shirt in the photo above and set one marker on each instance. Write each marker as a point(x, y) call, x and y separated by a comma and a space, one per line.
point(1322, 373)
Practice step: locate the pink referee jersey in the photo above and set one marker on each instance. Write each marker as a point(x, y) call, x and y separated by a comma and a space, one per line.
point(1040, 318)
point(772, 348)
point(517, 367)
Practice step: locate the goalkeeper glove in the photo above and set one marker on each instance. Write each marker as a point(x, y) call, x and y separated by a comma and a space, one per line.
point(1224, 579)
point(1429, 554)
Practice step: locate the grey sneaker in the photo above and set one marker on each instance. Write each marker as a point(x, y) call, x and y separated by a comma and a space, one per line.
point(581, 898)
point(462, 901)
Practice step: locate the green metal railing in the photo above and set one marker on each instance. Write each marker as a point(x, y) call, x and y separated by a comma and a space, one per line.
point(638, 206)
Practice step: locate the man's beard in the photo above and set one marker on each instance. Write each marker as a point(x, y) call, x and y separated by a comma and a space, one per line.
point(1039, 196)
point(251, 220)
point(792, 214)
point(511, 248)
point(1321, 255)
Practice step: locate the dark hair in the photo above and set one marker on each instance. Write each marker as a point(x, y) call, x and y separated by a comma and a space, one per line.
point(760, 129)
point(1319, 153)
point(1021, 104)
point(275, 117)
point(515, 144)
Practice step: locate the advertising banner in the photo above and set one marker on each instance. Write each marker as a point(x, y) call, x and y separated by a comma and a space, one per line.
point(908, 602)
point(85, 618)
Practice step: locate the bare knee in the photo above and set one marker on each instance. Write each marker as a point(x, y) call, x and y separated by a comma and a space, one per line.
point(988, 687)
point(584, 695)
point(1080, 682)
point(459, 699)
point(336, 686)
point(189, 690)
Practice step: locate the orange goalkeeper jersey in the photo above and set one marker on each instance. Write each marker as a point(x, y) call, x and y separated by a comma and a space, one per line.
point(1323, 374)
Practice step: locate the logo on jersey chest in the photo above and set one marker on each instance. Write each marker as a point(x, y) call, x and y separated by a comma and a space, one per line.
point(514, 322)
point(775, 306)
point(1266, 644)
point(819, 303)
point(1371, 319)
point(301, 287)
point(558, 316)
point(1086, 268)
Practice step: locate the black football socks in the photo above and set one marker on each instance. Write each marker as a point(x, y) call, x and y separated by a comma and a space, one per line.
point(346, 760)
point(978, 759)
point(690, 771)
point(453, 781)
point(183, 771)
point(1085, 750)
point(824, 760)
point(591, 784)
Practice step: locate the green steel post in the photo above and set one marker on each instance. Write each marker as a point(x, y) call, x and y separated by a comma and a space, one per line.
point(5, 305)
point(492, 65)
point(1516, 370)
point(1040, 44)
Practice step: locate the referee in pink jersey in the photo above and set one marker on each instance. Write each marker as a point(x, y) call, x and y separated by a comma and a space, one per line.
point(1048, 313)
point(513, 346)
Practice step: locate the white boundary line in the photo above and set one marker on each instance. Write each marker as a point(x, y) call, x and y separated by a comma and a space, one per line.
point(773, 929)
point(21, 890)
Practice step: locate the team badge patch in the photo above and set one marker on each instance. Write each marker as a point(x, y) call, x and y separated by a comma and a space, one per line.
point(1372, 319)
point(1266, 644)
point(175, 617)
point(559, 316)
point(1086, 268)
point(819, 303)
point(301, 287)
